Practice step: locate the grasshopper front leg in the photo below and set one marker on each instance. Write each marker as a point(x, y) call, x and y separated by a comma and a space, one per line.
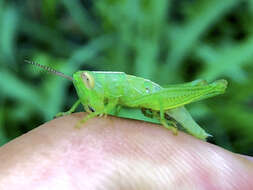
point(164, 123)
point(86, 118)
point(71, 110)
point(112, 103)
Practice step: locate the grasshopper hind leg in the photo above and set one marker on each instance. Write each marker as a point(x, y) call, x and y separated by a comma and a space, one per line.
point(149, 113)
point(165, 121)
point(171, 127)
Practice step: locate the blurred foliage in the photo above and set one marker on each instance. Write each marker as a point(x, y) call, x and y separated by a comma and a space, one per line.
point(167, 41)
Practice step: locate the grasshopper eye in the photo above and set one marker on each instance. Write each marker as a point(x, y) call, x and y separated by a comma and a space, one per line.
point(88, 80)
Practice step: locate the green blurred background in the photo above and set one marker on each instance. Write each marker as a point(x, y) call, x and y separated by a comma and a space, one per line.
point(167, 41)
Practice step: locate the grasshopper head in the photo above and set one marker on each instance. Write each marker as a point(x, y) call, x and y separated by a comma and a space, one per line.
point(88, 91)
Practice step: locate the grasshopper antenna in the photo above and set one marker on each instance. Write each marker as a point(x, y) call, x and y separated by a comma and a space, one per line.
point(50, 70)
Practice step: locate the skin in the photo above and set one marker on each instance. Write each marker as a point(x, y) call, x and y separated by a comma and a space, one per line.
point(115, 153)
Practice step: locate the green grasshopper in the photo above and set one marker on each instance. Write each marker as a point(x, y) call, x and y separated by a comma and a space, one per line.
point(102, 92)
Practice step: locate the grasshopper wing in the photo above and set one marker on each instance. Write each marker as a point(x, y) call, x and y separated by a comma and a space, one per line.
point(198, 82)
point(176, 96)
